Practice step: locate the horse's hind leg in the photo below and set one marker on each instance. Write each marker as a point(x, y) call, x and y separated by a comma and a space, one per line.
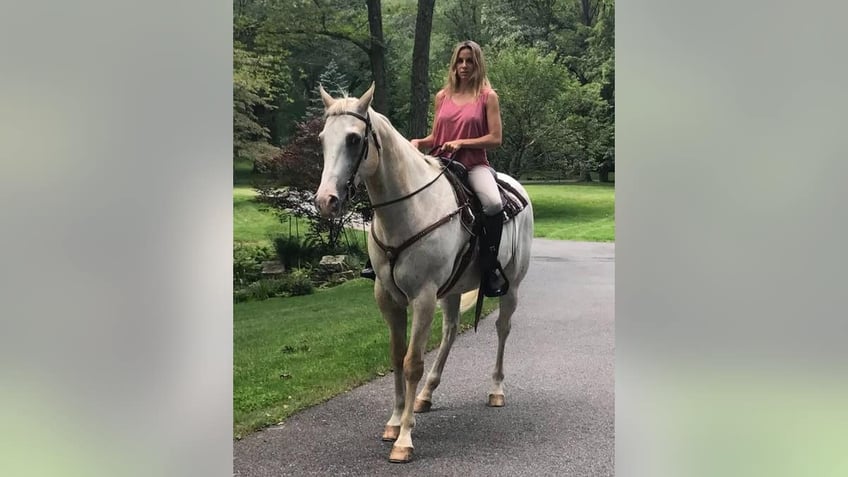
point(395, 316)
point(450, 326)
point(507, 306)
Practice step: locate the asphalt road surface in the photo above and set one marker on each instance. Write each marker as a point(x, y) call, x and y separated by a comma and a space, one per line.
point(559, 387)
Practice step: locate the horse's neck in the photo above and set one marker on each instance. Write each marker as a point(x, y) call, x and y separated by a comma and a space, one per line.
point(402, 171)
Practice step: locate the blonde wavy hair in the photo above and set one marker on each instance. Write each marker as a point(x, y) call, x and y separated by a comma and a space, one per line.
point(479, 80)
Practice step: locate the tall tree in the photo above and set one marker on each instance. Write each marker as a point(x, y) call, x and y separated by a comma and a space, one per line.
point(377, 56)
point(529, 84)
point(420, 98)
point(463, 21)
point(261, 80)
point(589, 11)
point(339, 20)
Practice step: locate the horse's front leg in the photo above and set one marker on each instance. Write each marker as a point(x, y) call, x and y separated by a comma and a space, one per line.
point(423, 307)
point(450, 326)
point(395, 316)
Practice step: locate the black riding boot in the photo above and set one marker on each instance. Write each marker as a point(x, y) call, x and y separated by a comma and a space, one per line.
point(368, 271)
point(493, 282)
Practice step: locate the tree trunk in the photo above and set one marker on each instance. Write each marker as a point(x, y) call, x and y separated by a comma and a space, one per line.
point(377, 56)
point(588, 12)
point(585, 174)
point(515, 164)
point(604, 169)
point(420, 98)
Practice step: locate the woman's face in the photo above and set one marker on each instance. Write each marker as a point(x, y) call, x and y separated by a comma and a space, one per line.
point(465, 64)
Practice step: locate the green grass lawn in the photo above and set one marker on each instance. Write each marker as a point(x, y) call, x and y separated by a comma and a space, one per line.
point(254, 222)
point(292, 353)
point(583, 212)
point(242, 172)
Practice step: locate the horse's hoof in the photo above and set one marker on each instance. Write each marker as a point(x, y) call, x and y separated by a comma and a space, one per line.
point(391, 433)
point(496, 400)
point(422, 405)
point(400, 455)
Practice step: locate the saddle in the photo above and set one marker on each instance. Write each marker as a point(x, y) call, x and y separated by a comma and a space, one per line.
point(513, 202)
point(472, 215)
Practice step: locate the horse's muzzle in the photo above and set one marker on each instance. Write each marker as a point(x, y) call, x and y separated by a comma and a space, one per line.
point(329, 205)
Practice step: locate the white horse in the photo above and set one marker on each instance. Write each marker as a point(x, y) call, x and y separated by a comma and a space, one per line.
point(416, 236)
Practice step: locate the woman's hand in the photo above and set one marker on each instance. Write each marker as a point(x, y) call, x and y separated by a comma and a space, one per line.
point(416, 143)
point(452, 146)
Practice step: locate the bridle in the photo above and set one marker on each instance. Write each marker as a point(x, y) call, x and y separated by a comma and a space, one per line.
point(369, 130)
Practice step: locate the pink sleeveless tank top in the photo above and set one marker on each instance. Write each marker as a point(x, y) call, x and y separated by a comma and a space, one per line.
point(467, 121)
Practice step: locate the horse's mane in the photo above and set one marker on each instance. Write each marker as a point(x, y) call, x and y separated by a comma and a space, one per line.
point(380, 122)
point(384, 123)
point(340, 105)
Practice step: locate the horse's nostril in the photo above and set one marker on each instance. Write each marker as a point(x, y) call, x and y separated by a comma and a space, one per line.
point(327, 204)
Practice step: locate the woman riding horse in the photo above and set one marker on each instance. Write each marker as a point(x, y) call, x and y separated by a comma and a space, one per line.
point(418, 241)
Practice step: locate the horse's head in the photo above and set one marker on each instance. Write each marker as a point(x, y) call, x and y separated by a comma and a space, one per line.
point(345, 143)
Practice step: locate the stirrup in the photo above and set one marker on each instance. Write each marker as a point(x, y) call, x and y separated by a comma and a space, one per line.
point(368, 273)
point(486, 283)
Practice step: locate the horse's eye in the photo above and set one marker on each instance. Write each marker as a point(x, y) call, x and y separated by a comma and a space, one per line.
point(353, 139)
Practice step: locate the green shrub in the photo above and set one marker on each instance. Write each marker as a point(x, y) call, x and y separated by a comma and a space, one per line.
point(247, 262)
point(241, 295)
point(294, 252)
point(299, 283)
point(267, 288)
point(296, 283)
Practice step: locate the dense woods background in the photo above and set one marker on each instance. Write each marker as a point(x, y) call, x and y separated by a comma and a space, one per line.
point(551, 62)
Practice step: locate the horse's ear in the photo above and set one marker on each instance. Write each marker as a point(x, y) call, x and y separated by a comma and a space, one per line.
point(365, 101)
point(328, 100)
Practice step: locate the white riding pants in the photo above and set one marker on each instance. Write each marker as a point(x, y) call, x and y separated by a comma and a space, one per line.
point(482, 180)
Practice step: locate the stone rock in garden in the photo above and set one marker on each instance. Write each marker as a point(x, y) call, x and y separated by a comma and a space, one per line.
point(334, 263)
point(273, 269)
point(341, 277)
